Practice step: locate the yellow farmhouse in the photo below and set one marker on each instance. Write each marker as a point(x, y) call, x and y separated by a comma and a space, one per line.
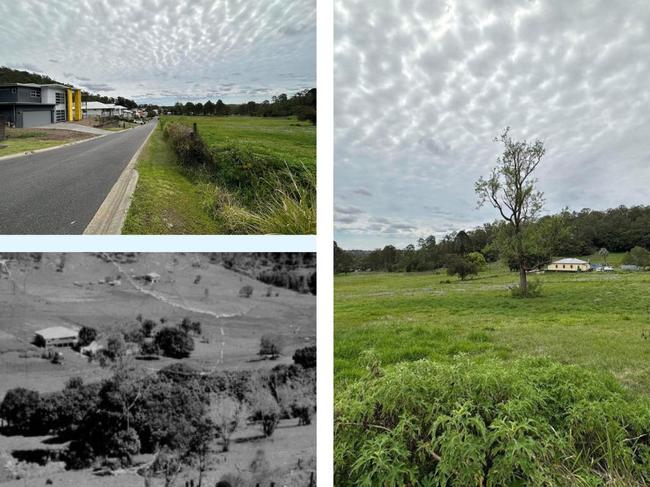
point(569, 265)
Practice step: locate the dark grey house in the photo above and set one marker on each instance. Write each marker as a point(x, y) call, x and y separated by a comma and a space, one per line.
point(26, 105)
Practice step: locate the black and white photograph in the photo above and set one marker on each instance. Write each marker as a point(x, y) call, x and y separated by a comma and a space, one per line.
point(158, 369)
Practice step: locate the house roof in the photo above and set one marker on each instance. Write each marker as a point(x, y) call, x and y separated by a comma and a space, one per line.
point(98, 105)
point(570, 261)
point(55, 332)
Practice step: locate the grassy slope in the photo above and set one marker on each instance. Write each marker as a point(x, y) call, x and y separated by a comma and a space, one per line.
point(591, 319)
point(165, 201)
point(167, 195)
point(25, 140)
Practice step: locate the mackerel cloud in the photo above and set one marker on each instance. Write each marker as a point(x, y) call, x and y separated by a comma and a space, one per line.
point(423, 87)
point(166, 50)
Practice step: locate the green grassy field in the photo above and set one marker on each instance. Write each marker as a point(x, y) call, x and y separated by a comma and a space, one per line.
point(592, 319)
point(170, 199)
point(286, 138)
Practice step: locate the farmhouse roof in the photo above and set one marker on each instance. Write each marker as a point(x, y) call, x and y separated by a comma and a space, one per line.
point(55, 332)
point(570, 261)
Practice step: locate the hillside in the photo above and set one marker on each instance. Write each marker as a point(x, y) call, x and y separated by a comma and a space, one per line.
point(8, 75)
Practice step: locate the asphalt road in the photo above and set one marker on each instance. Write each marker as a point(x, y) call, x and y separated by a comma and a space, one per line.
point(59, 191)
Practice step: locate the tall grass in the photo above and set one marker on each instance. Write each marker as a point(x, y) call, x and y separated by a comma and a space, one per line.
point(246, 192)
point(528, 422)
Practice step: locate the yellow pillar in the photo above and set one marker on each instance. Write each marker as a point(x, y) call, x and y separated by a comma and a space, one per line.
point(77, 105)
point(69, 107)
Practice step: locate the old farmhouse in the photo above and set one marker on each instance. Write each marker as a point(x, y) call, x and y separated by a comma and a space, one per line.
point(26, 105)
point(569, 265)
point(56, 336)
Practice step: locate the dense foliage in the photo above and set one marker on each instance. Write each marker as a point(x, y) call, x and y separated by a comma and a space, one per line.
point(174, 342)
point(305, 357)
point(529, 422)
point(567, 234)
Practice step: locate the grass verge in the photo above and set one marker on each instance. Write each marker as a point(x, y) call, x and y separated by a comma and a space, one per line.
point(166, 199)
point(25, 140)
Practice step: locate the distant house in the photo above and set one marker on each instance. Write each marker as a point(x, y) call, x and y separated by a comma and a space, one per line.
point(56, 336)
point(91, 349)
point(99, 109)
point(152, 277)
point(569, 265)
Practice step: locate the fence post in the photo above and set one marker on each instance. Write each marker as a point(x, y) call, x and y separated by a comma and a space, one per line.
point(194, 129)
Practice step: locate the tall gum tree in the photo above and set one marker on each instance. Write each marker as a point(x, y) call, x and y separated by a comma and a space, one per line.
point(511, 189)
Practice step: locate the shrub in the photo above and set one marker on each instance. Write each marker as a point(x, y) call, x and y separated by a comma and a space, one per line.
point(87, 335)
point(266, 409)
point(147, 327)
point(246, 291)
point(526, 422)
point(270, 345)
point(305, 357)
point(477, 259)
point(174, 343)
point(461, 267)
point(190, 148)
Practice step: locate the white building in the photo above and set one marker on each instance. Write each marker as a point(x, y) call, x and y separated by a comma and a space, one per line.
point(569, 265)
point(56, 336)
point(99, 109)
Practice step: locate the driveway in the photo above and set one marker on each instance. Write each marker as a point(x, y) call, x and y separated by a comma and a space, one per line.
point(59, 191)
point(76, 127)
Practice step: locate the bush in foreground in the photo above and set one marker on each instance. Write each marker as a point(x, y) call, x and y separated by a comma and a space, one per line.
point(528, 422)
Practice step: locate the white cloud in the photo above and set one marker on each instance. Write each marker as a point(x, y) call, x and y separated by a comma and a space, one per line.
point(423, 86)
point(164, 50)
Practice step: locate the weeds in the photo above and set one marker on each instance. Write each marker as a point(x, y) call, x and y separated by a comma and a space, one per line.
point(490, 423)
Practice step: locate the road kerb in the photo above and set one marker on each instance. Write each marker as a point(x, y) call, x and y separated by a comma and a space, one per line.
point(111, 215)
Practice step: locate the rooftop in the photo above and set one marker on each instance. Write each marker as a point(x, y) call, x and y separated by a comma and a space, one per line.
point(55, 332)
point(570, 261)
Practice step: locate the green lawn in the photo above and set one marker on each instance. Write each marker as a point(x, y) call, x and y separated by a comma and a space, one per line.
point(165, 201)
point(591, 319)
point(25, 140)
point(286, 138)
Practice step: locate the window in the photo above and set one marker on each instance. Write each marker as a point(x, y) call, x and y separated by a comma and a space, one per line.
point(60, 98)
point(60, 116)
point(34, 93)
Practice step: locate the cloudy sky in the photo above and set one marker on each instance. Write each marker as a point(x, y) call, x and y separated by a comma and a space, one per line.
point(423, 86)
point(161, 51)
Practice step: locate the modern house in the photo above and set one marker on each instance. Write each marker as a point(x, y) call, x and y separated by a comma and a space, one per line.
point(569, 265)
point(99, 109)
point(56, 336)
point(26, 105)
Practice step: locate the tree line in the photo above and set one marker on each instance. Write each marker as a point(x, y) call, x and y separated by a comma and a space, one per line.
point(568, 233)
point(301, 105)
